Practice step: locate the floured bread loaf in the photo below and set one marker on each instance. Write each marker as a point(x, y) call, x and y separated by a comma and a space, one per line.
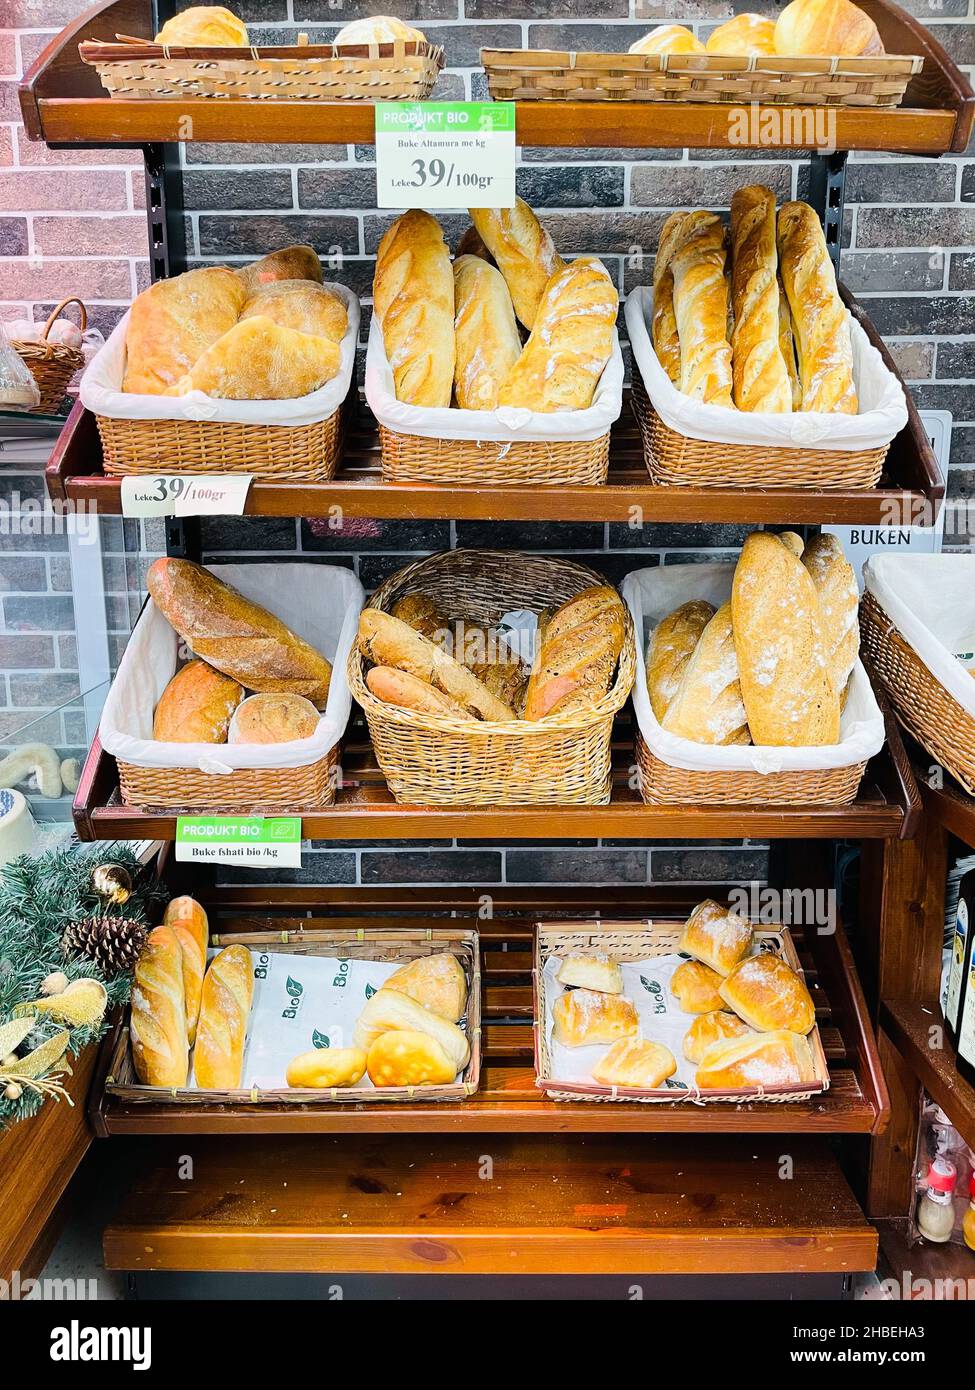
point(488, 344)
point(296, 262)
point(761, 1060)
point(819, 319)
point(695, 987)
point(715, 936)
point(768, 994)
point(258, 360)
point(701, 307)
point(708, 706)
point(635, 1063)
point(839, 601)
point(672, 644)
point(583, 1017)
point(522, 250)
point(204, 26)
point(591, 972)
point(437, 982)
point(301, 305)
point(173, 322)
point(712, 1028)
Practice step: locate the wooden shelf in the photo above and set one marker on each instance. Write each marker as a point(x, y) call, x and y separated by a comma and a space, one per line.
point(931, 1269)
point(908, 1026)
point(952, 807)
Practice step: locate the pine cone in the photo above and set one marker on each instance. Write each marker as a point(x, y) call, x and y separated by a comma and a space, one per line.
point(113, 943)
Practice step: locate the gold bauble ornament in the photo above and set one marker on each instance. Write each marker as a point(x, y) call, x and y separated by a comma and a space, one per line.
point(9, 1062)
point(111, 883)
point(13, 1091)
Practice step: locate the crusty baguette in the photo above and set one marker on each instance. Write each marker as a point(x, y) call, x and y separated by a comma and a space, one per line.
point(707, 706)
point(234, 634)
point(160, 1048)
point(701, 306)
point(386, 641)
point(787, 346)
point(228, 989)
point(672, 644)
point(826, 29)
point(761, 379)
point(409, 692)
point(839, 600)
point(782, 652)
point(420, 611)
point(577, 654)
point(663, 328)
point(522, 250)
point(197, 705)
point(487, 340)
point(819, 319)
point(413, 297)
point(187, 919)
point(793, 541)
point(472, 244)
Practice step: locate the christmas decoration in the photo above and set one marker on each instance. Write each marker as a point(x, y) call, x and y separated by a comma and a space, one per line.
point(82, 1004)
point(55, 983)
point(113, 943)
point(112, 883)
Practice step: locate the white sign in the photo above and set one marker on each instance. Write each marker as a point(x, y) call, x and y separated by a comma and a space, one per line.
point(250, 842)
point(445, 154)
point(173, 494)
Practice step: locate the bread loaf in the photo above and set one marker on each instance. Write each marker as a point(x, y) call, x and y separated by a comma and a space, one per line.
point(761, 380)
point(173, 322)
point(196, 706)
point(290, 263)
point(327, 1067)
point(487, 341)
point(828, 29)
point(390, 1010)
point(635, 1063)
point(663, 322)
point(577, 653)
point(258, 360)
point(570, 344)
point(277, 717)
point(420, 611)
point(591, 972)
point(523, 252)
point(672, 644)
point(204, 26)
point(407, 1058)
point(387, 641)
point(695, 987)
point(472, 244)
point(761, 1060)
point(583, 1017)
point(237, 636)
point(712, 1028)
point(768, 994)
point(787, 346)
point(668, 38)
point(160, 1048)
point(793, 541)
point(381, 28)
point(819, 320)
point(715, 936)
point(745, 36)
point(437, 982)
point(839, 602)
point(188, 921)
point(707, 706)
point(410, 692)
point(301, 305)
point(228, 989)
point(413, 298)
point(701, 307)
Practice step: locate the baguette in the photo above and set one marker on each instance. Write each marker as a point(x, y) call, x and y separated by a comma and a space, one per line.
point(409, 692)
point(839, 601)
point(671, 647)
point(487, 340)
point(707, 706)
point(522, 250)
point(819, 319)
point(196, 706)
point(787, 346)
point(188, 921)
point(160, 1047)
point(413, 297)
point(386, 641)
point(761, 379)
point(701, 307)
point(235, 635)
point(577, 654)
point(218, 1058)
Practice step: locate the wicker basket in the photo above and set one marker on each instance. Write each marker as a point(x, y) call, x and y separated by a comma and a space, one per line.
point(436, 760)
point(52, 365)
point(304, 72)
point(516, 74)
point(676, 459)
point(393, 944)
point(408, 458)
point(663, 785)
point(246, 791)
point(640, 941)
point(922, 704)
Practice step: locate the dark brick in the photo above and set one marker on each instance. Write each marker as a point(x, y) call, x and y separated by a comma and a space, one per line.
point(263, 11)
point(962, 449)
point(571, 186)
point(597, 154)
point(375, 569)
point(961, 483)
point(708, 865)
point(13, 236)
point(446, 866)
point(719, 155)
point(454, 225)
point(914, 359)
point(26, 653)
point(908, 182)
point(576, 866)
point(224, 189)
point(683, 185)
point(654, 536)
point(584, 38)
point(462, 46)
point(920, 315)
point(958, 40)
point(916, 226)
point(248, 533)
point(337, 188)
point(893, 272)
point(257, 235)
point(968, 184)
point(531, 535)
point(616, 566)
point(956, 360)
point(204, 153)
point(334, 867)
point(324, 11)
point(27, 536)
point(22, 573)
point(598, 233)
point(960, 400)
point(17, 488)
point(39, 614)
point(547, 9)
point(40, 692)
point(961, 270)
point(368, 534)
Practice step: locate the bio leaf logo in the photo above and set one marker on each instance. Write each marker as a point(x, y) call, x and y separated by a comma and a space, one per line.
point(294, 988)
point(319, 1039)
point(369, 991)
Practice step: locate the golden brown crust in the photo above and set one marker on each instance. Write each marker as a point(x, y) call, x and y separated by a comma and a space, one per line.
point(701, 306)
point(173, 322)
point(839, 602)
point(296, 262)
point(819, 320)
point(387, 641)
point(826, 28)
point(403, 1057)
point(745, 36)
point(768, 994)
point(204, 26)
point(196, 706)
point(636, 1063)
point(413, 295)
point(325, 1067)
point(672, 644)
point(761, 379)
point(437, 982)
point(707, 706)
point(718, 1026)
point(695, 987)
point(577, 653)
point(715, 936)
point(274, 717)
point(762, 1060)
point(522, 250)
point(160, 1047)
point(301, 305)
point(259, 360)
point(668, 38)
point(389, 1010)
point(583, 1017)
point(228, 989)
point(487, 340)
point(188, 921)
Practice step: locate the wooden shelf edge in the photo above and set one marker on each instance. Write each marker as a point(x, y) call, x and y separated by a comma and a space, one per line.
point(906, 1024)
point(952, 808)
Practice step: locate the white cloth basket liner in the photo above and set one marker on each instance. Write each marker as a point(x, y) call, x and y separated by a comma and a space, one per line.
point(930, 599)
point(883, 409)
point(507, 424)
point(651, 595)
point(321, 603)
point(101, 388)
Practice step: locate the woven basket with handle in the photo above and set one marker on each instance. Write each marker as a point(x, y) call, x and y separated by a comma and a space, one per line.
point(52, 365)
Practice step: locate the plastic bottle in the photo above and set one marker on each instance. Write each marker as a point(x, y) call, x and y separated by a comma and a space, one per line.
point(968, 1224)
point(936, 1212)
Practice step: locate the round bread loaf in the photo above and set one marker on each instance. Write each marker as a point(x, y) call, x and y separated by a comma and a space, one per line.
point(273, 718)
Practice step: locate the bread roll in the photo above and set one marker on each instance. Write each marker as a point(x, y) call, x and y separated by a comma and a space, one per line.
point(234, 634)
point(707, 706)
point(387, 641)
point(782, 652)
point(408, 1058)
point(486, 653)
point(708, 1029)
point(290, 263)
point(379, 28)
point(584, 1017)
point(391, 1011)
point(635, 1063)
point(160, 1049)
point(174, 322)
point(413, 297)
point(196, 706)
point(695, 987)
point(487, 341)
point(570, 344)
point(819, 320)
point(591, 972)
point(188, 921)
point(828, 29)
point(301, 305)
point(762, 1060)
point(839, 602)
point(274, 718)
point(745, 36)
point(672, 644)
point(787, 346)
point(577, 653)
point(258, 360)
point(761, 380)
point(420, 611)
point(228, 989)
point(668, 38)
point(204, 26)
point(437, 982)
point(523, 251)
point(715, 936)
point(409, 692)
point(768, 995)
point(701, 307)
point(327, 1067)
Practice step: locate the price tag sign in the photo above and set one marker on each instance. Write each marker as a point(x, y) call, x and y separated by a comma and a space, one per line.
point(445, 154)
point(250, 842)
point(173, 494)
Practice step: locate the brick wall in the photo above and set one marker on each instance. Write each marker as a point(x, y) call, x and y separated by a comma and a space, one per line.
point(72, 222)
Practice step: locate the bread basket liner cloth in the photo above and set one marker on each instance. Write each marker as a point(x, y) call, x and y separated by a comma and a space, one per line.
point(883, 409)
point(101, 388)
point(930, 599)
point(651, 594)
point(507, 424)
point(321, 603)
